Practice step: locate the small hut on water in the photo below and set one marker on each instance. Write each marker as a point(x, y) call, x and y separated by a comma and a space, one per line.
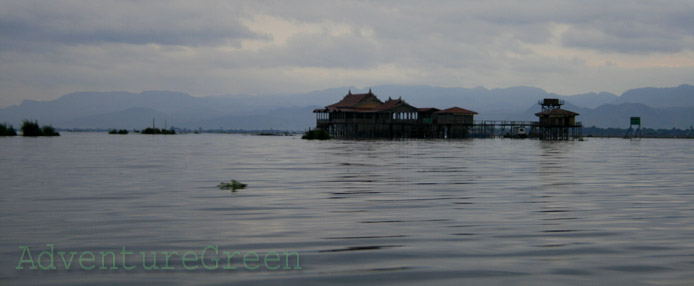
point(556, 123)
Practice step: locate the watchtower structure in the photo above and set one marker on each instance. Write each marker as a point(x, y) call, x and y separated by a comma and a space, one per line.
point(550, 103)
point(556, 123)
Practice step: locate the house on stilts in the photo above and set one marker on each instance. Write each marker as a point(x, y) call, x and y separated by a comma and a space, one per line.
point(363, 115)
point(556, 123)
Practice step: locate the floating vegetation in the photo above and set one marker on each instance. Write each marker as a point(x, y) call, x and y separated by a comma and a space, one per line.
point(232, 185)
point(48, 130)
point(121, 131)
point(150, 130)
point(271, 133)
point(31, 128)
point(316, 134)
point(6, 130)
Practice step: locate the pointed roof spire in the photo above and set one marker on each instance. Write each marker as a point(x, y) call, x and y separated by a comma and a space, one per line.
point(349, 92)
point(370, 91)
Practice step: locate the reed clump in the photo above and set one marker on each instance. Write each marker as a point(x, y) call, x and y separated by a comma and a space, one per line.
point(120, 131)
point(316, 135)
point(7, 130)
point(150, 130)
point(32, 129)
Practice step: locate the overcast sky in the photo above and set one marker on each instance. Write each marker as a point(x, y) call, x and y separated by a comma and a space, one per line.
point(50, 48)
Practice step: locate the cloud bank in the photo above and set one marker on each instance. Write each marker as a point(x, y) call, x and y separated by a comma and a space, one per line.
point(49, 48)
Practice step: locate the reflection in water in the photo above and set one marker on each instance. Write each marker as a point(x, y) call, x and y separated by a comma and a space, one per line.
point(406, 212)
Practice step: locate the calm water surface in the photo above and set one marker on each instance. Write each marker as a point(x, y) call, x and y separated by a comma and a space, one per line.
point(512, 212)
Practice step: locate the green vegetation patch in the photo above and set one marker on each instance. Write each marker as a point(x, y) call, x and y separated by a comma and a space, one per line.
point(150, 130)
point(316, 134)
point(232, 185)
point(32, 129)
point(120, 131)
point(48, 130)
point(7, 130)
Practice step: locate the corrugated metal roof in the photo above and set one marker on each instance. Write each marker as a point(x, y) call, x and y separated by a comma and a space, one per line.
point(557, 111)
point(456, 109)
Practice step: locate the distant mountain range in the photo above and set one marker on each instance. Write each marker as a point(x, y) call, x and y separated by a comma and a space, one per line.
point(658, 107)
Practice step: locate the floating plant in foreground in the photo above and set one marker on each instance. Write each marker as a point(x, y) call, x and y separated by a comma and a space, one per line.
point(232, 185)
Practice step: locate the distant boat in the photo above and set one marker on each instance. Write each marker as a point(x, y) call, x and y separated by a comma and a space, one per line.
point(519, 132)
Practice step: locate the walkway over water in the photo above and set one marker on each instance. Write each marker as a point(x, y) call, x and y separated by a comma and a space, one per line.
point(493, 128)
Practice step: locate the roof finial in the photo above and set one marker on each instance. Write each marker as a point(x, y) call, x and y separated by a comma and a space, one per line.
point(349, 92)
point(370, 91)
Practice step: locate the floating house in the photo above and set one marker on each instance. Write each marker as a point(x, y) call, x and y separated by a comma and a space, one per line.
point(556, 123)
point(365, 116)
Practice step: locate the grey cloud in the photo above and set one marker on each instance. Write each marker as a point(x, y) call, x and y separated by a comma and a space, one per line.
point(622, 26)
point(322, 50)
point(29, 23)
point(623, 41)
point(56, 46)
point(632, 27)
point(347, 51)
point(411, 34)
point(627, 26)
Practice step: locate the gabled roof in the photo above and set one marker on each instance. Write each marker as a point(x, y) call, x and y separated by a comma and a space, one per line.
point(394, 103)
point(351, 100)
point(369, 103)
point(390, 103)
point(351, 109)
point(456, 109)
point(557, 111)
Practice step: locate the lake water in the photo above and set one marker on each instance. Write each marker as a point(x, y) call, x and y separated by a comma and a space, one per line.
point(478, 212)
